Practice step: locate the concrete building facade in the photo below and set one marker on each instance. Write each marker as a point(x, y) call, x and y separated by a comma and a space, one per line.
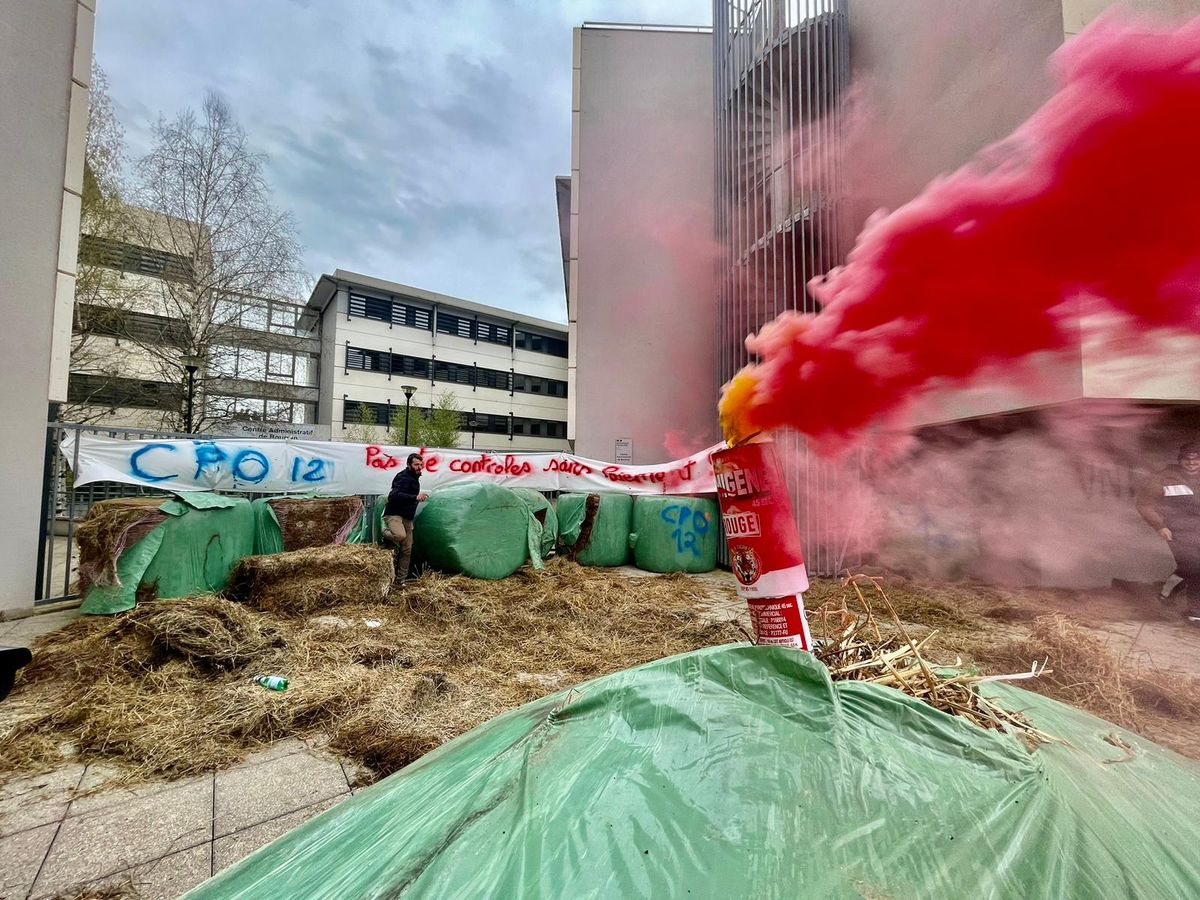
point(506, 372)
point(132, 340)
point(640, 243)
point(45, 67)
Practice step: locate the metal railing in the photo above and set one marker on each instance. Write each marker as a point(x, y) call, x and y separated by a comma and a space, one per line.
point(64, 505)
point(780, 72)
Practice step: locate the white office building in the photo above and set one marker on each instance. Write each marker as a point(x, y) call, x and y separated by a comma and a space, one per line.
point(507, 372)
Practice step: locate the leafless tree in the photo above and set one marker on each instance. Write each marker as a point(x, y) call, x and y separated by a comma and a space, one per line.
point(230, 251)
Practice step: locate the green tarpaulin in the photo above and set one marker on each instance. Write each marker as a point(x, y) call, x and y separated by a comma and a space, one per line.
point(479, 530)
point(369, 529)
point(203, 540)
point(193, 551)
point(268, 536)
point(674, 534)
point(543, 524)
point(107, 599)
point(742, 771)
point(607, 544)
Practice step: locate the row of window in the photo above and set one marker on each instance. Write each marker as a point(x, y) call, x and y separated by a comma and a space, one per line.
point(136, 393)
point(401, 312)
point(480, 423)
point(144, 328)
point(123, 257)
point(541, 343)
point(129, 393)
point(456, 373)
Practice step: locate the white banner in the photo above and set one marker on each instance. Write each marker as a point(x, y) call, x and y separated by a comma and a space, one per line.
point(279, 467)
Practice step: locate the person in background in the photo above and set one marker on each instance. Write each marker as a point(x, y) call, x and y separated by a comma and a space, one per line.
point(1170, 502)
point(400, 511)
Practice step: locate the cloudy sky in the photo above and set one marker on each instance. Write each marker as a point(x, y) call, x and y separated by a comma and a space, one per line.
point(415, 140)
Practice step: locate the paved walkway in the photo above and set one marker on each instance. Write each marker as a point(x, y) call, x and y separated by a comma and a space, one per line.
point(70, 828)
point(21, 632)
point(59, 834)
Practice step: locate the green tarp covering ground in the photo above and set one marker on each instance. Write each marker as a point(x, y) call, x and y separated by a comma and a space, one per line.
point(674, 534)
point(608, 541)
point(742, 771)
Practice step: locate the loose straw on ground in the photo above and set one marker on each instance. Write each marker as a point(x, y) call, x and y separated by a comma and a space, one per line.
point(854, 648)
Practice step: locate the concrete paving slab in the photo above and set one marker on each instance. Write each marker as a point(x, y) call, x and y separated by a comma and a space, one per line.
point(24, 631)
point(138, 829)
point(249, 795)
point(104, 785)
point(164, 878)
point(172, 875)
point(235, 847)
point(277, 750)
point(37, 799)
point(21, 856)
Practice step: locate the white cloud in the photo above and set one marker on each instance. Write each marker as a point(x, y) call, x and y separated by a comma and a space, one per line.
point(414, 141)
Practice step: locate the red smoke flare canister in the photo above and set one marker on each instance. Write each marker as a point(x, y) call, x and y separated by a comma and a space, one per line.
point(764, 545)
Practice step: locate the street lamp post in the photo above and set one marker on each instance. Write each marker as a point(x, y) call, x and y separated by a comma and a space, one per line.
point(409, 390)
point(473, 422)
point(191, 364)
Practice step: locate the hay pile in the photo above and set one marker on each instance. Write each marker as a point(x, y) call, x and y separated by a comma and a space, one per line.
point(301, 581)
point(315, 522)
point(153, 692)
point(1088, 674)
point(1005, 631)
point(854, 647)
point(109, 528)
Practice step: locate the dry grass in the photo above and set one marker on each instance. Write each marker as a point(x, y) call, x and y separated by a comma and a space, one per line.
point(1088, 674)
point(120, 889)
point(150, 689)
point(1008, 630)
point(855, 647)
point(301, 581)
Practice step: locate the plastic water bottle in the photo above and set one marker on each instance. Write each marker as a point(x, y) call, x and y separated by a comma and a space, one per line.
point(271, 682)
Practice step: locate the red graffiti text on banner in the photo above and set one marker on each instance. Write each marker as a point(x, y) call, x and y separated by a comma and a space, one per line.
point(431, 460)
point(570, 466)
point(378, 459)
point(659, 476)
point(487, 465)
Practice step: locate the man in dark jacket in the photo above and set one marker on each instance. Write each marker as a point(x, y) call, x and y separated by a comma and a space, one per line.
point(1170, 502)
point(401, 509)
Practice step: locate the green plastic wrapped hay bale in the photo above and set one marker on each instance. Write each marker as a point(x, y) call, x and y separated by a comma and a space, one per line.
point(195, 541)
point(543, 524)
point(205, 536)
point(599, 538)
point(674, 534)
point(479, 530)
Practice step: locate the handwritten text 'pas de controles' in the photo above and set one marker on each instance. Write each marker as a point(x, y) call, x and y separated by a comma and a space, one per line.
point(512, 466)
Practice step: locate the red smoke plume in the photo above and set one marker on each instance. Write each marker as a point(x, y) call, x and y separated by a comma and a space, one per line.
point(1095, 198)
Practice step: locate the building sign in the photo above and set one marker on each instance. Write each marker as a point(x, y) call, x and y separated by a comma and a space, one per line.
point(283, 431)
point(624, 452)
point(282, 466)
